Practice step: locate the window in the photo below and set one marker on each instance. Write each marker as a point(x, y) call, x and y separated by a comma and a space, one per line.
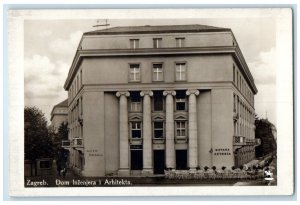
point(135, 104)
point(180, 129)
point(80, 78)
point(134, 43)
point(134, 73)
point(136, 131)
point(180, 100)
point(157, 72)
point(156, 42)
point(179, 42)
point(233, 73)
point(158, 101)
point(234, 104)
point(158, 130)
point(81, 106)
point(180, 71)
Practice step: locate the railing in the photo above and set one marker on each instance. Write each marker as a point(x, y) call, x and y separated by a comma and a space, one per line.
point(239, 140)
point(65, 143)
point(78, 142)
point(181, 139)
point(158, 140)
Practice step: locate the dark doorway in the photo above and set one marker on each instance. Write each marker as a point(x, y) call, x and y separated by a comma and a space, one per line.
point(159, 161)
point(136, 159)
point(181, 159)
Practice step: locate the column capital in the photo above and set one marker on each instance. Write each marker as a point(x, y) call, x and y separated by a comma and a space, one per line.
point(125, 93)
point(189, 92)
point(146, 92)
point(169, 92)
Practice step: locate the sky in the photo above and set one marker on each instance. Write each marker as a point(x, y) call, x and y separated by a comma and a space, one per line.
point(50, 46)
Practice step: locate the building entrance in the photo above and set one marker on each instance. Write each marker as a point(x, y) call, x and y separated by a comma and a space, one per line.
point(159, 161)
point(136, 159)
point(181, 159)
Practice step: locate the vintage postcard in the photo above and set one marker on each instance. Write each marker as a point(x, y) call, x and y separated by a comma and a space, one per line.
point(151, 102)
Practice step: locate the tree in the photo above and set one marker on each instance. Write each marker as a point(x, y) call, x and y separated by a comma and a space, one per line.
point(62, 134)
point(38, 144)
point(264, 131)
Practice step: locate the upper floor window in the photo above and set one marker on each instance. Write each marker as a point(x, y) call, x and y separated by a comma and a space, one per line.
point(180, 101)
point(158, 101)
point(157, 72)
point(180, 71)
point(136, 131)
point(157, 42)
point(134, 43)
point(134, 72)
point(135, 102)
point(180, 42)
point(158, 130)
point(233, 73)
point(181, 129)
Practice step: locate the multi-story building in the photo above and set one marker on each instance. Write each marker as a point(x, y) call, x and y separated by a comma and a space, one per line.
point(59, 114)
point(147, 98)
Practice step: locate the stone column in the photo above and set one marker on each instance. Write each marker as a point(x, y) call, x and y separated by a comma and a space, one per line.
point(147, 133)
point(170, 146)
point(192, 129)
point(123, 134)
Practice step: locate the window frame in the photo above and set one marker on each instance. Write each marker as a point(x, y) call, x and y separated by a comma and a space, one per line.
point(136, 129)
point(175, 71)
point(129, 72)
point(180, 129)
point(180, 42)
point(157, 42)
point(153, 103)
point(156, 129)
point(162, 72)
point(133, 44)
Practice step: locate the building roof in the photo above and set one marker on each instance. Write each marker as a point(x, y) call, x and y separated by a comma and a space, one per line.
point(62, 104)
point(157, 29)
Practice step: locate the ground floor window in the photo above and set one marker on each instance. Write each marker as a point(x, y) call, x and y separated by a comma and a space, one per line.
point(136, 159)
point(181, 159)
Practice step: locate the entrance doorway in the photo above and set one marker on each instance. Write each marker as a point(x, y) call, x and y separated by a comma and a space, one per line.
point(136, 159)
point(181, 159)
point(159, 161)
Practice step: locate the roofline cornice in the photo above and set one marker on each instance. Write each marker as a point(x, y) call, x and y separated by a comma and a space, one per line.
point(235, 51)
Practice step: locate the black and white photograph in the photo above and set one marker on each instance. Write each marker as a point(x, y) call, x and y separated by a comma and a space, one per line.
point(143, 100)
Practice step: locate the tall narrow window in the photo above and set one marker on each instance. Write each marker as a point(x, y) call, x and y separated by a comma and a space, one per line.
point(180, 42)
point(157, 42)
point(180, 101)
point(81, 106)
point(134, 72)
point(134, 43)
point(80, 78)
point(158, 130)
point(135, 102)
point(180, 129)
point(136, 131)
point(234, 103)
point(180, 71)
point(233, 73)
point(157, 72)
point(158, 101)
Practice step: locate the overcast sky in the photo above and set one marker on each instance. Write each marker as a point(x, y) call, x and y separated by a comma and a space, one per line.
point(50, 46)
